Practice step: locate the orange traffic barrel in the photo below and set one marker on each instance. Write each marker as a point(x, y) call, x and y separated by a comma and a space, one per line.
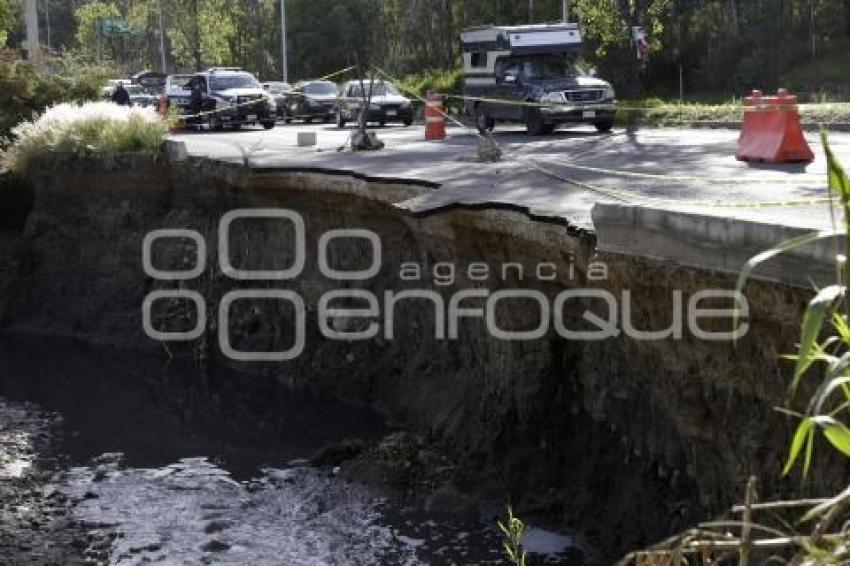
point(162, 105)
point(435, 118)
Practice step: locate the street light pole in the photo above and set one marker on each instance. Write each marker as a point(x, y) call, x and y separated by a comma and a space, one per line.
point(47, 21)
point(33, 44)
point(284, 63)
point(161, 41)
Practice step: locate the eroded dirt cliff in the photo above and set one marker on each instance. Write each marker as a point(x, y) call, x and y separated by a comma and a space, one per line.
point(628, 440)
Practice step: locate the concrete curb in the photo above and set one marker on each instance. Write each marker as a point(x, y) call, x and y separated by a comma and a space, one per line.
point(718, 125)
point(176, 150)
point(712, 243)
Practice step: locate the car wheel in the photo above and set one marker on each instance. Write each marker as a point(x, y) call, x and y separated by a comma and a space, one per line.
point(483, 122)
point(326, 119)
point(604, 127)
point(382, 124)
point(408, 121)
point(308, 120)
point(340, 121)
point(287, 120)
point(268, 125)
point(534, 124)
point(237, 126)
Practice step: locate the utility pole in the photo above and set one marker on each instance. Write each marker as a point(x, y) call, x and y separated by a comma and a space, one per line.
point(47, 21)
point(161, 42)
point(33, 44)
point(258, 48)
point(812, 26)
point(197, 56)
point(531, 11)
point(283, 61)
point(565, 5)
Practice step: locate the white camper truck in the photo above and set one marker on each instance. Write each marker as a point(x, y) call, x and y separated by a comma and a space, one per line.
point(512, 73)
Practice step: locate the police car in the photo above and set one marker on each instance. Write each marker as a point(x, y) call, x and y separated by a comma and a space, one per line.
point(227, 97)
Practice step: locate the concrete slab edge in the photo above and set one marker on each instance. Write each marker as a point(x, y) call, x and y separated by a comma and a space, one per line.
point(711, 243)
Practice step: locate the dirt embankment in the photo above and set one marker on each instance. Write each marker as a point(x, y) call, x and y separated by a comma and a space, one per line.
point(626, 438)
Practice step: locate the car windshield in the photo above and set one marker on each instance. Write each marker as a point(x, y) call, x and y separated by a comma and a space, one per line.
point(549, 68)
point(320, 88)
point(378, 89)
point(180, 82)
point(226, 82)
point(135, 89)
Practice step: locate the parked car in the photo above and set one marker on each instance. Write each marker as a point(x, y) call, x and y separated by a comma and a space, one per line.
point(387, 104)
point(151, 81)
point(225, 96)
point(311, 100)
point(139, 96)
point(278, 91)
point(177, 94)
point(532, 66)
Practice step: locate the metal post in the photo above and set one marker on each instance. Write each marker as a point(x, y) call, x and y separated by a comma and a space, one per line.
point(98, 30)
point(566, 10)
point(531, 11)
point(47, 21)
point(284, 62)
point(258, 48)
point(681, 84)
point(812, 25)
point(33, 43)
point(161, 41)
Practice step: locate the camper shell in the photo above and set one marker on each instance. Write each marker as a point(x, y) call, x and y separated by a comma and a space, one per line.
point(529, 74)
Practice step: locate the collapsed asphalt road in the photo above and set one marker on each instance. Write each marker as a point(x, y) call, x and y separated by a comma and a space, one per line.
point(665, 168)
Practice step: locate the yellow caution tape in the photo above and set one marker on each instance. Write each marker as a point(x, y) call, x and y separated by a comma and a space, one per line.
point(692, 178)
point(298, 92)
point(632, 198)
point(527, 104)
point(252, 102)
point(216, 111)
point(625, 196)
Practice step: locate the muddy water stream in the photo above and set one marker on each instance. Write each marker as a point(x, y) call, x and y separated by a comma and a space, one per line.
point(115, 457)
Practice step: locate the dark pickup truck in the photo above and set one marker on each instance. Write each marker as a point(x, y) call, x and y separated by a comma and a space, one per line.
point(529, 74)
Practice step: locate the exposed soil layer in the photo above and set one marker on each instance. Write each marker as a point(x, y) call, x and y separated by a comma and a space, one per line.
point(628, 440)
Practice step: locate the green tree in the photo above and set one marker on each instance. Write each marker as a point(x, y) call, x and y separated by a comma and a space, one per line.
point(200, 32)
point(91, 40)
point(607, 30)
point(8, 16)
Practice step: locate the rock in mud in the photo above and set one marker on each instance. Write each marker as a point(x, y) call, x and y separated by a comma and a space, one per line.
point(335, 454)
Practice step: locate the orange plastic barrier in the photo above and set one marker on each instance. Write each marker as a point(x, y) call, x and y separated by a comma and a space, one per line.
point(771, 131)
point(162, 105)
point(435, 120)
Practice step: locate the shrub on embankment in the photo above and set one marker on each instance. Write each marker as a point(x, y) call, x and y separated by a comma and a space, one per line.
point(79, 129)
point(444, 82)
point(26, 90)
point(657, 112)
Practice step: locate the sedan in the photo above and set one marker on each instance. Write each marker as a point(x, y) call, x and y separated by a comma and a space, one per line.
point(386, 104)
point(311, 100)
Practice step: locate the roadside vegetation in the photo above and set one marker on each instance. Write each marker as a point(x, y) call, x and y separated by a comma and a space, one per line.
point(513, 530)
point(800, 532)
point(444, 82)
point(657, 112)
point(80, 129)
point(823, 360)
point(720, 47)
point(26, 90)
